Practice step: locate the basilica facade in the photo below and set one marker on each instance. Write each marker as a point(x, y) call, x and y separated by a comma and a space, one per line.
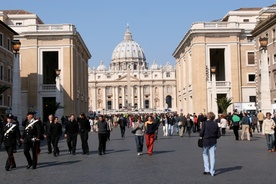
point(130, 83)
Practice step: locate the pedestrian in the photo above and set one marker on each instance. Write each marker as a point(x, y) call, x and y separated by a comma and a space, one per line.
point(156, 120)
point(84, 128)
point(47, 134)
point(31, 138)
point(181, 123)
point(71, 134)
point(210, 133)
point(56, 132)
point(150, 129)
point(139, 135)
point(236, 125)
point(223, 124)
point(165, 125)
point(189, 124)
point(123, 123)
point(102, 135)
point(171, 124)
point(109, 127)
point(9, 135)
point(268, 131)
point(245, 122)
point(255, 123)
point(261, 117)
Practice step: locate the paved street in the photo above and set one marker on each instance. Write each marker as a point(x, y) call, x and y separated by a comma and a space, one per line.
point(175, 160)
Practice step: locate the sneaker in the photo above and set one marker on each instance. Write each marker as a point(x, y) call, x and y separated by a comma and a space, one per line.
point(138, 154)
point(141, 153)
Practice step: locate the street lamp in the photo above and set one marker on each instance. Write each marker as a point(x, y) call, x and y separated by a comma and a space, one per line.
point(16, 81)
point(214, 91)
point(265, 88)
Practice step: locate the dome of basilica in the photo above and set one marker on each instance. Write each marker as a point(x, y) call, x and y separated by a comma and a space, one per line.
point(101, 67)
point(128, 50)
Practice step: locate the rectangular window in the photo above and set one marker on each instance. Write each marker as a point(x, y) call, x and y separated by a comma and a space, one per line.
point(9, 75)
point(252, 98)
point(1, 72)
point(99, 76)
point(251, 78)
point(155, 76)
point(146, 76)
point(245, 20)
point(1, 39)
point(50, 64)
point(168, 74)
point(273, 35)
point(250, 58)
point(9, 44)
point(1, 100)
point(108, 77)
point(9, 101)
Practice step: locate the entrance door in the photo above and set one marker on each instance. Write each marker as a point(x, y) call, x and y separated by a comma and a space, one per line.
point(48, 107)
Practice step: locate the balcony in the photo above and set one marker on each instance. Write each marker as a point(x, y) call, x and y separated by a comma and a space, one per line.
point(45, 28)
point(223, 25)
point(220, 84)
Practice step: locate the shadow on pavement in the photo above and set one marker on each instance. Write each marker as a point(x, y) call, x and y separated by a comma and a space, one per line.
point(161, 152)
point(224, 170)
point(55, 163)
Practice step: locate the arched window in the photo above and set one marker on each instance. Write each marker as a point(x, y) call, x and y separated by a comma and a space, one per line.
point(169, 101)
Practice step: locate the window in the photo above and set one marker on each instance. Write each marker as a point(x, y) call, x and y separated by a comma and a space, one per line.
point(273, 34)
point(250, 58)
point(1, 99)
point(1, 72)
point(9, 44)
point(108, 76)
point(9, 101)
point(146, 76)
point(1, 39)
point(169, 89)
point(18, 23)
point(99, 76)
point(251, 78)
point(252, 98)
point(146, 90)
point(168, 74)
point(245, 20)
point(155, 75)
point(9, 75)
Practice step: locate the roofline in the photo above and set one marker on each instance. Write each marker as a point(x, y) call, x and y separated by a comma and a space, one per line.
point(8, 27)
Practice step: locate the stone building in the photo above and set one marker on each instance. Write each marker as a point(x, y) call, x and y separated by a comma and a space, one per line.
point(6, 66)
point(226, 44)
point(130, 84)
point(45, 49)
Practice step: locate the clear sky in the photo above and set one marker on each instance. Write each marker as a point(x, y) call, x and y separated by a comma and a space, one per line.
point(156, 25)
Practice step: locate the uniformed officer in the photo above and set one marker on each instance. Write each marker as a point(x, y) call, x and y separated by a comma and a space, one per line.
point(31, 138)
point(10, 134)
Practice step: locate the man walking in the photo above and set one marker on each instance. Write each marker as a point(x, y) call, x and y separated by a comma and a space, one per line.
point(48, 134)
point(84, 130)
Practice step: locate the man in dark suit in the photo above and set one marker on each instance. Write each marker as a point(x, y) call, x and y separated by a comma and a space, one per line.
point(9, 135)
point(31, 137)
point(84, 130)
point(123, 123)
point(48, 133)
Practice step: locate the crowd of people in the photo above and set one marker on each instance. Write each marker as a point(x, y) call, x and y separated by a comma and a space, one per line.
point(143, 126)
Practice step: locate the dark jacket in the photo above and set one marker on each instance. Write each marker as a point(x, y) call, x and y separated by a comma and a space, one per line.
point(32, 132)
point(47, 128)
point(122, 122)
point(84, 125)
point(71, 127)
point(10, 138)
point(55, 130)
point(102, 127)
point(210, 133)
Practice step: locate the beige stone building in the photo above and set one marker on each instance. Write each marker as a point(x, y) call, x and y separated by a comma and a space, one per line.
point(226, 44)
point(6, 66)
point(45, 48)
point(130, 84)
point(266, 59)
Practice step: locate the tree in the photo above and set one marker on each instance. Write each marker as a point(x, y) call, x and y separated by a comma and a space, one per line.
point(53, 106)
point(224, 103)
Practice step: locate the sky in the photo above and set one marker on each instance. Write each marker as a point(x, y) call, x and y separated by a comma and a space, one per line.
point(156, 25)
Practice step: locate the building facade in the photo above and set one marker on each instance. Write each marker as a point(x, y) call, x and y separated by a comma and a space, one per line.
point(130, 84)
point(226, 44)
point(6, 67)
point(265, 59)
point(46, 48)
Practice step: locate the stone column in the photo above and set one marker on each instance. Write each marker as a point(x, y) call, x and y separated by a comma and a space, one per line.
point(16, 88)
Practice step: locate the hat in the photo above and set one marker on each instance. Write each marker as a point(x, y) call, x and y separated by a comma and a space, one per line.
point(10, 116)
point(30, 113)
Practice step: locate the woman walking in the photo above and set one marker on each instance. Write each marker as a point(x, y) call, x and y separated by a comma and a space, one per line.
point(268, 130)
point(139, 135)
point(150, 129)
point(210, 133)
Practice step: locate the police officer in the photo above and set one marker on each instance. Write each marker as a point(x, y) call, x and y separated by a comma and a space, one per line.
point(84, 127)
point(31, 138)
point(10, 134)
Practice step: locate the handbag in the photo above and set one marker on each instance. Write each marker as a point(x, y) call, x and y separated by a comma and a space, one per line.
point(200, 142)
point(133, 131)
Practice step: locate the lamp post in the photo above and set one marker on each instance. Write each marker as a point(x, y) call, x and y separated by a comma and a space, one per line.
point(214, 106)
point(58, 91)
point(265, 88)
point(16, 81)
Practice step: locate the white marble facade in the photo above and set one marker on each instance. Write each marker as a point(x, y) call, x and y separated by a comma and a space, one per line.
point(151, 88)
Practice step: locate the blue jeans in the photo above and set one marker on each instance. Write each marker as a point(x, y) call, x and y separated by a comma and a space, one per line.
point(209, 151)
point(270, 141)
point(139, 143)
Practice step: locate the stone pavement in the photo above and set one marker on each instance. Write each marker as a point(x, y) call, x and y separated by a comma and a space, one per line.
point(174, 160)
